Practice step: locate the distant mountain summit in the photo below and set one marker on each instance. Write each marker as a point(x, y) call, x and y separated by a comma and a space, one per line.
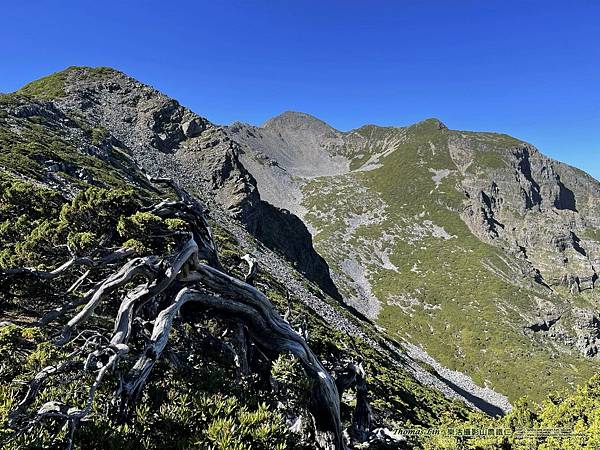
point(298, 142)
point(297, 120)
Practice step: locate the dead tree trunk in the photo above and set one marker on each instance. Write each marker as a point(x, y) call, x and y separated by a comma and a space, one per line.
point(252, 268)
point(164, 285)
point(240, 345)
point(354, 376)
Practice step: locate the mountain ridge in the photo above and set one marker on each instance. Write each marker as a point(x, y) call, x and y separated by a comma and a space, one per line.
point(165, 138)
point(431, 120)
point(89, 137)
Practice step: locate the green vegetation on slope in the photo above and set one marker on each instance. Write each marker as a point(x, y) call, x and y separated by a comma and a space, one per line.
point(202, 407)
point(40, 227)
point(442, 287)
point(183, 405)
point(179, 409)
point(43, 143)
point(578, 413)
point(52, 87)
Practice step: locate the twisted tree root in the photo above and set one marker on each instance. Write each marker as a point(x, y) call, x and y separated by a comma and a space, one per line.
point(75, 261)
point(174, 281)
point(354, 376)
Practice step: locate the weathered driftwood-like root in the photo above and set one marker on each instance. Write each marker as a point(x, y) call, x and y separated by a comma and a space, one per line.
point(163, 285)
point(354, 375)
point(275, 336)
point(38, 381)
point(252, 268)
point(132, 268)
point(73, 262)
point(267, 329)
point(271, 332)
point(22, 422)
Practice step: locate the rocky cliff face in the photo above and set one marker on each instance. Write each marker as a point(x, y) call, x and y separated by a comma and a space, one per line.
point(454, 240)
point(167, 139)
point(528, 208)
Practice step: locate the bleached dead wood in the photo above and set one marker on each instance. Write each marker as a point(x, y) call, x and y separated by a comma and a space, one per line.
point(354, 375)
point(163, 285)
point(73, 262)
point(252, 268)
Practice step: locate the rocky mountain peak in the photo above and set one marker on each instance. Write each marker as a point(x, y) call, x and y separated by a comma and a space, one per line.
point(296, 142)
point(297, 121)
point(167, 139)
point(432, 123)
point(56, 85)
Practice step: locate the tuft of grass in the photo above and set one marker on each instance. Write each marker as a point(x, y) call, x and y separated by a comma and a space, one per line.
point(592, 234)
point(52, 86)
point(47, 88)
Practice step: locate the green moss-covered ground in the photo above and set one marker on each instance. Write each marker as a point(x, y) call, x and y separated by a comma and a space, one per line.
point(52, 87)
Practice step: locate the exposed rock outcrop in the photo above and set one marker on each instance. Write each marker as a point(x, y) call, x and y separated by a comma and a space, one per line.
point(167, 139)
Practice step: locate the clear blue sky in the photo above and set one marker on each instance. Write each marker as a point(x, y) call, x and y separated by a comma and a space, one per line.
point(527, 68)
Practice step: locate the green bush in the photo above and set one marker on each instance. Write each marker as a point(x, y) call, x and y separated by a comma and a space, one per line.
point(82, 242)
point(578, 412)
point(99, 134)
point(145, 231)
point(39, 222)
point(97, 209)
point(139, 224)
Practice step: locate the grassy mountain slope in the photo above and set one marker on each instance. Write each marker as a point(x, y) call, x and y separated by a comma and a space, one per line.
point(471, 245)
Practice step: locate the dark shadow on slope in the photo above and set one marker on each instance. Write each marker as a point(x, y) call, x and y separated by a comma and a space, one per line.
point(543, 325)
point(577, 244)
point(355, 312)
point(486, 407)
point(533, 197)
point(566, 198)
point(282, 231)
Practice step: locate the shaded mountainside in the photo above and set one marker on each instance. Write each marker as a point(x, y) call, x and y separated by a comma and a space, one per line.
point(474, 246)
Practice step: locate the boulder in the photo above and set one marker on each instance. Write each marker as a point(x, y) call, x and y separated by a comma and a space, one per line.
point(193, 127)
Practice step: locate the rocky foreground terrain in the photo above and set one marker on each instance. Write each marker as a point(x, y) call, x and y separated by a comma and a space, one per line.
point(397, 277)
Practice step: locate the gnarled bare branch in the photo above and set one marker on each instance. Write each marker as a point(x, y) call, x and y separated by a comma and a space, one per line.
point(168, 283)
point(252, 268)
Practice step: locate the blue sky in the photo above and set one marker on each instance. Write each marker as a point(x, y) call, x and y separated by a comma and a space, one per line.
point(527, 68)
